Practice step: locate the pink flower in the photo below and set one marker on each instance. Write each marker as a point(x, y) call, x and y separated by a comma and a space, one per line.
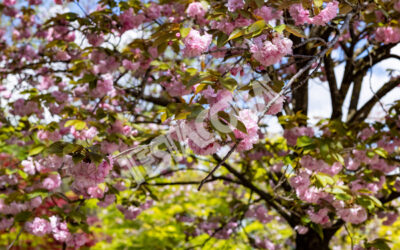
point(77, 240)
point(301, 181)
point(153, 52)
point(355, 215)
point(59, 229)
point(38, 227)
point(224, 25)
point(291, 135)
point(86, 134)
point(6, 223)
point(195, 44)
point(153, 11)
point(108, 147)
point(46, 83)
point(175, 87)
point(277, 106)
point(260, 213)
point(396, 6)
point(35, 2)
point(242, 22)
point(200, 140)
point(95, 39)
point(234, 5)
point(52, 182)
point(62, 55)
point(108, 200)
point(47, 135)
point(209, 149)
point(301, 229)
point(383, 166)
point(390, 218)
point(310, 163)
point(366, 133)
point(269, 53)
point(35, 202)
point(326, 14)
point(218, 101)
point(311, 195)
point(9, 2)
point(267, 13)
point(104, 86)
point(95, 192)
point(129, 20)
point(129, 65)
point(265, 244)
point(320, 217)
point(249, 119)
point(334, 169)
point(387, 35)
point(130, 212)
point(299, 14)
point(196, 10)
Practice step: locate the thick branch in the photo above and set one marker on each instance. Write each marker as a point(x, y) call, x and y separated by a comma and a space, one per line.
point(355, 96)
point(334, 91)
point(364, 111)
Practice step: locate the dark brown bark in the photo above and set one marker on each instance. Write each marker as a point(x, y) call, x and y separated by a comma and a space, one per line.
point(355, 96)
point(311, 241)
point(334, 91)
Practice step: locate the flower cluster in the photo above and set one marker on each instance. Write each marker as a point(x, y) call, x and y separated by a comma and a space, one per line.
point(196, 44)
point(270, 52)
point(302, 16)
point(387, 34)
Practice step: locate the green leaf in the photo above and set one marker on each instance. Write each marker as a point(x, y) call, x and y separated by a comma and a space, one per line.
point(377, 202)
point(194, 80)
point(318, 229)
point(324, 179)
point(256, 26)
point(184, 32)
point(78, 124)
point(259, 3)
point(222, 39)
point(235, 34)
point(23, 216)
point(229, 83)
point(240, 125)
point(295, 31)
point(71, 148)
point(41, 192)
point(381, 152)
point(379, 243)
point(36, 150)
point(318, 3)
point(56, 147)
point(304, 141)
point(280, 28)
point(338, 158)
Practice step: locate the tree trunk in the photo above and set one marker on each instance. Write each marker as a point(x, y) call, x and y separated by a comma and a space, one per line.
point(311, 241)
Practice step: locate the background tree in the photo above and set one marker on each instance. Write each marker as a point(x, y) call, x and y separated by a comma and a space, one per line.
point(167, 108)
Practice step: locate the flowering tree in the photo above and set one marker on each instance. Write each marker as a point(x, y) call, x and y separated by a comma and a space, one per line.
point(127, 106)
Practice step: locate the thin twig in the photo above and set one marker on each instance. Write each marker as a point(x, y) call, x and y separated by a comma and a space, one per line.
point(16, 239)
point(218, 165)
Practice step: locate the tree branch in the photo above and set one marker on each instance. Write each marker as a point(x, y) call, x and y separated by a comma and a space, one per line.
point(364, 111)
point(334, 91)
